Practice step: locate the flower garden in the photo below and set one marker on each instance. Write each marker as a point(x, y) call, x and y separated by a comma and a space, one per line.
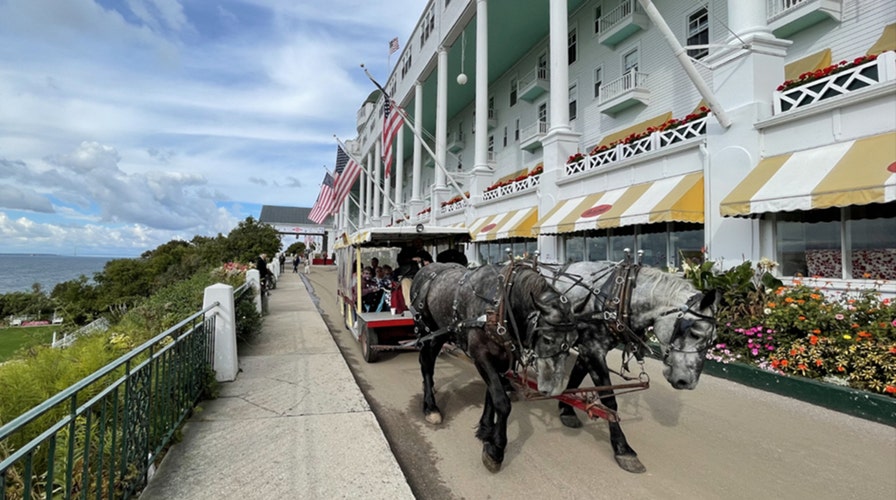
point(804, 329)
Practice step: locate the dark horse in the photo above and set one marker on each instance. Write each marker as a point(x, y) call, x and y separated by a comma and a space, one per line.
point(682, 317)
point(502, 317)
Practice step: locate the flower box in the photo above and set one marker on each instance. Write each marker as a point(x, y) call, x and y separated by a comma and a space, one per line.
point(854, 402)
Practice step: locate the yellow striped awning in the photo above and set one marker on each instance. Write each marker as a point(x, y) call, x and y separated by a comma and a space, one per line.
point(513, 224)
point(678, 198)
point(855, 172)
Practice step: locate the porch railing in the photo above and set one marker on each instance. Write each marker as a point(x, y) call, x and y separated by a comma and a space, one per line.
point(99, 437)
point(652, 142)
point(526, 184)
point(836, 84)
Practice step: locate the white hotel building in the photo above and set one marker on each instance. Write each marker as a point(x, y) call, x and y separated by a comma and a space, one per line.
point(504, 92)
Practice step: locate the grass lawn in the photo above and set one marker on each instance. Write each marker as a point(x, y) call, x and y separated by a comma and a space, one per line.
point(14, 338)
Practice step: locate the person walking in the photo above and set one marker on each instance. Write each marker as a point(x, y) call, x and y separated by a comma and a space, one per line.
point(264, 274)
point(295, 263)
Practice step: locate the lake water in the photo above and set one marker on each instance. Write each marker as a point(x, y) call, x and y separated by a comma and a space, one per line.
point(19, 271)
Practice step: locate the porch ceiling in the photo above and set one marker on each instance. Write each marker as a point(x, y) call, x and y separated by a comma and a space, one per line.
point(514, 28)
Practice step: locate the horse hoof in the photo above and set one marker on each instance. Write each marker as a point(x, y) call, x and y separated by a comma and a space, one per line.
point(630, 463)
point(570, 420)
point(490, 463)
point(435, 418)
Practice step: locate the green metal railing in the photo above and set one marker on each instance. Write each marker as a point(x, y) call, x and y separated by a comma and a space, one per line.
point(118, 420)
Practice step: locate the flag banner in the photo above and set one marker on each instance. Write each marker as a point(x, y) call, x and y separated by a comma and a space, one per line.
point(347, 172)
point(324, 204)
point(392, 122)
point(393, 46)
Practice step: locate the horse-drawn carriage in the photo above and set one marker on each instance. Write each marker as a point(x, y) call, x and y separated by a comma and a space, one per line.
point(379, 327)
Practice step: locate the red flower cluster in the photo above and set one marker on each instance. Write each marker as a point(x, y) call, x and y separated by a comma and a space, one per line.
point(535, 171)
point(811, 76)
point(575, 158)
point(455, 199)
point(669, 124)
point(424, 211)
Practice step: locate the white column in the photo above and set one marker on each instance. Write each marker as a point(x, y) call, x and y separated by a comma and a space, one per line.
point(362, 198)
point(746, 17)
point(441, 115)
point(387, 196)
point(368, 201)
point(416, 202)
point(398, 175)
point(377, 179)
point(480, 148)
point(559, 54)
point(226, 363)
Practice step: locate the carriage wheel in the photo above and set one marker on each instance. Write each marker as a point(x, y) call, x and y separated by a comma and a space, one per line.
point(368, 338)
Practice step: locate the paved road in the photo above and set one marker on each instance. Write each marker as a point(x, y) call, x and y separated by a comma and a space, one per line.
point(720, 441)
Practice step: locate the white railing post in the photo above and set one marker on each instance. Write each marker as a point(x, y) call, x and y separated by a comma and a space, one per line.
point(226, 363)
point(253, 278)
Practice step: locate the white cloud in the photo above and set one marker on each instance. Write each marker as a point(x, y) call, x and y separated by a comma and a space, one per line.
point(126, 124)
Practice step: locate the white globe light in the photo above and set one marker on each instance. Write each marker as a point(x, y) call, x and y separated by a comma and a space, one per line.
point(462, 79)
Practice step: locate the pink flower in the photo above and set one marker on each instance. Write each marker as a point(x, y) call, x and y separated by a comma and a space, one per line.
point(838, 316)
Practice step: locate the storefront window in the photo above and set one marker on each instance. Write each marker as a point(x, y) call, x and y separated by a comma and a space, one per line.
point(575, 249)
point(809, 249)
point(597, 247)
point(620, 239)
point(653, 246)
point(873, 243)
point(686, 243)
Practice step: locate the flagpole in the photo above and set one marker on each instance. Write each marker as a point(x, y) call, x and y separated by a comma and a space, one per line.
point(413, 128)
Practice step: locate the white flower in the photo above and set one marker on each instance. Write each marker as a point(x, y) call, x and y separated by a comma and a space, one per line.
point(767, 311)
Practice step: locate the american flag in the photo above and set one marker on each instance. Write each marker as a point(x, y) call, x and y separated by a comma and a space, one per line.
point(324, 204)
point(347, 172)
point(392, 122)
point(393, 46)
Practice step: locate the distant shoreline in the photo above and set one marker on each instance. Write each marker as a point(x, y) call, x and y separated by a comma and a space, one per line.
point(25, 254)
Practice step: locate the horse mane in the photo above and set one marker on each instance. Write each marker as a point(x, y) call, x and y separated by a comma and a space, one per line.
point(665, 288)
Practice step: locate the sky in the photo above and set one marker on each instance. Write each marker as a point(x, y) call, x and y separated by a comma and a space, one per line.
point(125, 124)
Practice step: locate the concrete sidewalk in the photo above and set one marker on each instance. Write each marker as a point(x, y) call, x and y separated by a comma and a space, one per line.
point(294, 424)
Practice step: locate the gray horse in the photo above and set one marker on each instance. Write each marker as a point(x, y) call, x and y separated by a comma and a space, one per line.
point(502, 317)
point(682, 318)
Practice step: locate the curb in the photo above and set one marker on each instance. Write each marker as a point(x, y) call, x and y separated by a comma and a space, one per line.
point(854, 402)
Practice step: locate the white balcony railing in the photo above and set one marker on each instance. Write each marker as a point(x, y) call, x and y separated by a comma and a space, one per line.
point(531, 134)
point(653, 142)
point(615, 16)
point(627, 82)
point(519, 186)
point(858, 77)
point(778, 8)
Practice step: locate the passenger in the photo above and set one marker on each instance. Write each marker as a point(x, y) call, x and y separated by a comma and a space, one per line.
point(371, 293)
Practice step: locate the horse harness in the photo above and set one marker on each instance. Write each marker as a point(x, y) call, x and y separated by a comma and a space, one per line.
point(494, 321)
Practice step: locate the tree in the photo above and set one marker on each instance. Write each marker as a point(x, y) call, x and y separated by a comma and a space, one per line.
point(250, 238)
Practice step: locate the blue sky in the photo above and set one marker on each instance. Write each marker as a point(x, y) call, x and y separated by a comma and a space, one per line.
point(127, 123)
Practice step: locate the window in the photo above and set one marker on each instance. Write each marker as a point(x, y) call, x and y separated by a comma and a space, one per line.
point(428, 26)
point(598, 81)
point(630, 61)
point(491, 145)
point(597, 14)
point(573, 97)
point(505, 136)
point(663, 243)
point(543, 112)
point(813, 243)
point(516, 131)
point(491, 107)
point(571, 50)
point(698, 33)
point(513, 89)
